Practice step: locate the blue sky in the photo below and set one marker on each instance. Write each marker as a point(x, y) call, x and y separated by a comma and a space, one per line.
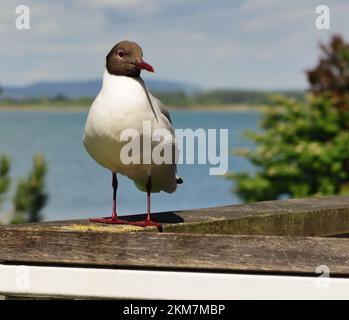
point(261, 44)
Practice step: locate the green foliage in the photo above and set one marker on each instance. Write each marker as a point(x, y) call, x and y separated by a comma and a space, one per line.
point(30, 196)
point(250, 97)
point(177, 98)
point(4, 176)
point(222, 97)
point(39, 102)
point(304, 148)
point(302, 151)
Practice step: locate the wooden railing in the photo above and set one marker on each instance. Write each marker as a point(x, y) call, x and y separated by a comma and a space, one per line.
point(288, 238)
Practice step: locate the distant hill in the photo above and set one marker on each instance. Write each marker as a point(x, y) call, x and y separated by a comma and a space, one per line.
point(77, 89)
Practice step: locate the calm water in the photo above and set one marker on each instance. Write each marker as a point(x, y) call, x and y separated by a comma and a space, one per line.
point(80, 188)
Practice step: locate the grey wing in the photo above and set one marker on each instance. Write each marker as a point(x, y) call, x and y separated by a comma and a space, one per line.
point(165, 112)
point(163, 109)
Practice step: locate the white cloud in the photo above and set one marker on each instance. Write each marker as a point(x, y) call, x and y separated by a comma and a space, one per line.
point(110, 3)
point(139, 7)
point(257, 5)
point(252, 44)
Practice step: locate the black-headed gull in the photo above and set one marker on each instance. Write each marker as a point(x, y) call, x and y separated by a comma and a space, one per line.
point(125, 103)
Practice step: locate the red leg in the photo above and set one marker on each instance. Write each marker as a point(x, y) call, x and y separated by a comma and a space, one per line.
point(114, 217)
point(148, 222)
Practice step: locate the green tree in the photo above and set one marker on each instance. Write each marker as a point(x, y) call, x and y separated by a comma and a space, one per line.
point(4, 175)
point(331, 75)
point(303, 148)
point(31, 197)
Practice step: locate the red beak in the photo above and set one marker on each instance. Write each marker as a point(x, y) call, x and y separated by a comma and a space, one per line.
point(145, 66)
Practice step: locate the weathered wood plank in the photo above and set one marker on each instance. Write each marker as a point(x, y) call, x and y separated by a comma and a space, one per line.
point(323, 216)
point(253, 254)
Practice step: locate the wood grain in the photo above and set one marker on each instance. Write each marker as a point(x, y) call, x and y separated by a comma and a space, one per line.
point(270, 237)
point(323, 216)
point(253, 254)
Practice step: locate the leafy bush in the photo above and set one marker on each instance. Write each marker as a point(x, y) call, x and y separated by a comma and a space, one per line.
point(331, 75)
point(302, 151)
point(304, 148)
point(4, 176)
point(31, 197)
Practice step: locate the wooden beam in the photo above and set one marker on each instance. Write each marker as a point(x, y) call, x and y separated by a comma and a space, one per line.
point(252, 254)
point(263, 237)
point(323, 216)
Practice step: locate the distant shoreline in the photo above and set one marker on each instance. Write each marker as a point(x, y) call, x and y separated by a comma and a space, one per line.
point(85, 108)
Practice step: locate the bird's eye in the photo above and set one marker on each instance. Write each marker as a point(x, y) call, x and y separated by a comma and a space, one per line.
point(121, 53)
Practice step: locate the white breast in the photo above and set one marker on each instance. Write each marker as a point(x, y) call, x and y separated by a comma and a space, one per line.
point(124, 103)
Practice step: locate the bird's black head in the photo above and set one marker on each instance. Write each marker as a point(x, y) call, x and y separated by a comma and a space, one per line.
point(125, 59)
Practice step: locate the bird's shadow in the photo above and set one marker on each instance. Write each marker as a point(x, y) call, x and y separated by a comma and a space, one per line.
point(161, 217)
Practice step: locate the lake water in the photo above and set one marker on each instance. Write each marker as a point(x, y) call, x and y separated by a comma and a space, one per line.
point(80, 188)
